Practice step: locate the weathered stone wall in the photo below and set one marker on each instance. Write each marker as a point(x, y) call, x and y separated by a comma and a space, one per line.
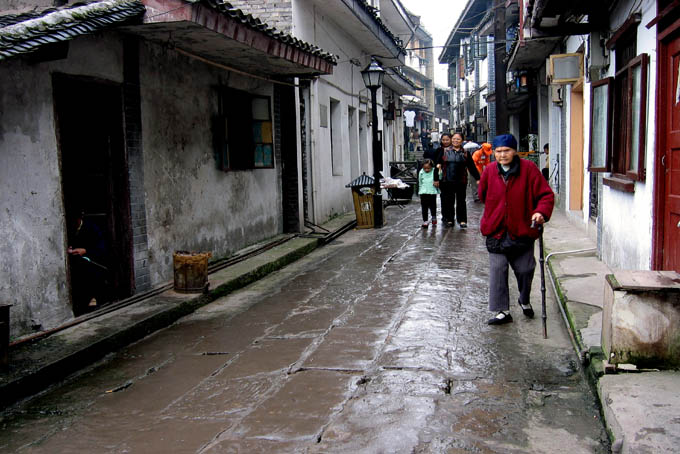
point(179, 199)
point(275, 13)
point(190, 203)
point(33, 274)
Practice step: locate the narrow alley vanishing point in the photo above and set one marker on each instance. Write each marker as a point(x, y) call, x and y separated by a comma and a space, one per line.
point(375, 343)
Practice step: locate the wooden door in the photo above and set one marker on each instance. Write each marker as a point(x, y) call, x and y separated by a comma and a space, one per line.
point(670, 153)
point(576, 150)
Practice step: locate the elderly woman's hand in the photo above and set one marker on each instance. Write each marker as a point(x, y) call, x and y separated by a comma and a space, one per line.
point(538, 218)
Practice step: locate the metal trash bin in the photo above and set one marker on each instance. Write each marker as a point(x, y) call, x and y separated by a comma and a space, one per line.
point(4, 336)
point(362, 192)
point(191, 271)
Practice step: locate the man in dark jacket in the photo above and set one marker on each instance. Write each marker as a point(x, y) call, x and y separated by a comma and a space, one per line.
point(515, 195)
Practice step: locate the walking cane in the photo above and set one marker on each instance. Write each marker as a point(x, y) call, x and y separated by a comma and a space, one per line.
point(541, 260)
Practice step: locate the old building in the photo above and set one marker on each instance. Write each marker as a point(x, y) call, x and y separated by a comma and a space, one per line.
point(169, 125)
point(604, 78)
point(420, 68)
point(468, 52)
point(442, 108)
point(336, 120)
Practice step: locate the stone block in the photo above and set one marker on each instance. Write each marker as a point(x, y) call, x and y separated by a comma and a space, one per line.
point(641, 318)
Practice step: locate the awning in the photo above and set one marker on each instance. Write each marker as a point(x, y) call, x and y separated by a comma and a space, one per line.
point(531, 53)
point(399, 83)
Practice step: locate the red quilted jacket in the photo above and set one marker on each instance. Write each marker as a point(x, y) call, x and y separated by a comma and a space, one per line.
point(510, 205)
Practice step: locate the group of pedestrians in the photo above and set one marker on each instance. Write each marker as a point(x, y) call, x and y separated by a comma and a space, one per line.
point(449, 164)
point(517, 198)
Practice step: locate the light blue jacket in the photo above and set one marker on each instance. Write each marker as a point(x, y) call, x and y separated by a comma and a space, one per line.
point(426, 182)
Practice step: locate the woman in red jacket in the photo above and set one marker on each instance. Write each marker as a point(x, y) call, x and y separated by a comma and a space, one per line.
point(515, 195)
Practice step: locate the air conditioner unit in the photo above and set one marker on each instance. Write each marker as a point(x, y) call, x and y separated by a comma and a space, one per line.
point(565, 68)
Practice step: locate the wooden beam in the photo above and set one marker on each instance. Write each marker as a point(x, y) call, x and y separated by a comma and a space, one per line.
point(632, 21)
point(666, 11)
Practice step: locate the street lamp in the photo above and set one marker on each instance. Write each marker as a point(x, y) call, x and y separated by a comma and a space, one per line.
point(373, 77)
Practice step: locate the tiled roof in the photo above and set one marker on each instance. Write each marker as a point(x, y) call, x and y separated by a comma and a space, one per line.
point(24, 33)
point(252, 21)
point(374, 13)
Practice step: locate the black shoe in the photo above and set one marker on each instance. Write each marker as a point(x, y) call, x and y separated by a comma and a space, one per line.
point(449, 224)
point(463, 225)
point(500, 319)
point(527, 310)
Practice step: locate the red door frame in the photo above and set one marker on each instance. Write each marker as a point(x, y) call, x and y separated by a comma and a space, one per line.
point(662, 37)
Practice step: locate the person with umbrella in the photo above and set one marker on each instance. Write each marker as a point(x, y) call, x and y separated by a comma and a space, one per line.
point(515, 196)
point(454, 162)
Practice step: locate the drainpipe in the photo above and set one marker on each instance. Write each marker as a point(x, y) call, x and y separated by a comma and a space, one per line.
point(313, 118)
point(298, 145)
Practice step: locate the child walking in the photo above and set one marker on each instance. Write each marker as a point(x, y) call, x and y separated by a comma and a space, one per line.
point(428, 188)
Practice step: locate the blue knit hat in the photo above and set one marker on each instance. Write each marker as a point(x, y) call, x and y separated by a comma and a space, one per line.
point(505, 140)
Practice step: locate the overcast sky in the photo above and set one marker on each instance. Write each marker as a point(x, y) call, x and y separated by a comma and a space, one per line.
point(438, 17)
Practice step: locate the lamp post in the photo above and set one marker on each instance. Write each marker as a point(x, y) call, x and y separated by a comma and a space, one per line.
point(373, 76)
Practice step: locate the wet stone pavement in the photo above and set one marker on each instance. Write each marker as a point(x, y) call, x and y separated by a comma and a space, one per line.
point(376, 343)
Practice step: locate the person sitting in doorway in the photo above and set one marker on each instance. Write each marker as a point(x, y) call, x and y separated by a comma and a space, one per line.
point(89, 273)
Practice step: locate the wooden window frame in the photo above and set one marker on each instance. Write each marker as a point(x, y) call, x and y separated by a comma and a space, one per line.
point(621, 162)
point(639, 174)
point(609, 82)
point(233, 130)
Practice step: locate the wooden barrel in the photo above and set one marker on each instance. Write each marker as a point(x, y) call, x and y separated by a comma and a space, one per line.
point(191, 271)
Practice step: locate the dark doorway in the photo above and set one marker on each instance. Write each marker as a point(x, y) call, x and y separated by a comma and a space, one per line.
point(96, 190)
point(289, 159)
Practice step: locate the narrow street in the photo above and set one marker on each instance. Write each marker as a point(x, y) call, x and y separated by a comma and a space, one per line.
point(376, 343)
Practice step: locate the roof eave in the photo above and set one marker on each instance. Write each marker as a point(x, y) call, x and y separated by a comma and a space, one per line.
point(236, 26)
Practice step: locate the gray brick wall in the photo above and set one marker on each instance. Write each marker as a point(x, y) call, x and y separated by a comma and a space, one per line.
point(284, 114)
point(275, 13)
point(133, 143)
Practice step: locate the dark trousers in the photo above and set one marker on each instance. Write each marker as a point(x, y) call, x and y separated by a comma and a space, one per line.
point(428, 202)
point(523, 265)
point(453, 201)
point(87, 281)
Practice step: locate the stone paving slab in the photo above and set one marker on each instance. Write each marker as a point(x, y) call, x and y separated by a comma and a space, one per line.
point(643, 410)
point(35, 365)
point(261, 371)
